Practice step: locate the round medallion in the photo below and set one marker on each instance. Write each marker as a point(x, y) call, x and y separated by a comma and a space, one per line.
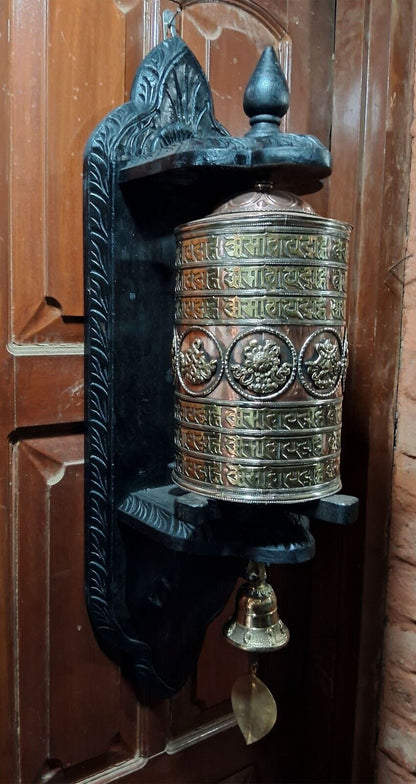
point(261, 363)
point(321, 362)
point(199, 361)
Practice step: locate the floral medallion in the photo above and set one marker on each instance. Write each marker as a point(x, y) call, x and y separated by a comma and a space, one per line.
point(261, 364)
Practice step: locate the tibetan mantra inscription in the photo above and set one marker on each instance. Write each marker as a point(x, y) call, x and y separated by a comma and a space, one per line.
point(260, 351)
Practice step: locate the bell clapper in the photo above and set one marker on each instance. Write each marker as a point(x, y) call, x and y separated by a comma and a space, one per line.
point(254, 663)
point(255, 627)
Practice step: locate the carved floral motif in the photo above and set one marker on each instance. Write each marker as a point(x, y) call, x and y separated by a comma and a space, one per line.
point(262, 372)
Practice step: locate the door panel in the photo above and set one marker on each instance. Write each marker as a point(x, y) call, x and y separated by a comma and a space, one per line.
point(72, 705)
point(49, 387)
point(62, 84)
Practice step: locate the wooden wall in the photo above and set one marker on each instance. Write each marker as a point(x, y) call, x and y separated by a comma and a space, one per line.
point(397, 731)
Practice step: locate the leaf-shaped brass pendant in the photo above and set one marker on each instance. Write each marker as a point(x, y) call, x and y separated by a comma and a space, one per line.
point(254, 707)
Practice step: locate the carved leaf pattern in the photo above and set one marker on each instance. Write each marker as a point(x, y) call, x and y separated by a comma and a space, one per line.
point(172, 98)
point(155, 517)
point(100, 150)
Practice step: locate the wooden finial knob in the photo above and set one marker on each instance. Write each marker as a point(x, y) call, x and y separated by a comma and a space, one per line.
point(266, 99)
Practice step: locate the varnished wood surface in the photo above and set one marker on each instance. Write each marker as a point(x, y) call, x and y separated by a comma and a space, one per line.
point(393, 128)
point(369, 189)
point(60, 88)
point(63, 703)
point(7, 722)
point(66, 713)
point(56, 700)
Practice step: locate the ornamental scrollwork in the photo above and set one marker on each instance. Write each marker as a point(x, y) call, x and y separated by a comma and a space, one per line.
point(196, 365)
point(325, 369)
point(321, 362)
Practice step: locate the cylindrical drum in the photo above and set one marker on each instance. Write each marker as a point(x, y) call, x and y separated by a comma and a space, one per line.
point(260, 351)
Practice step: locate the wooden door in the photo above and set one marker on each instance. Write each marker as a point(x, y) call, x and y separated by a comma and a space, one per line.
point(67, 713)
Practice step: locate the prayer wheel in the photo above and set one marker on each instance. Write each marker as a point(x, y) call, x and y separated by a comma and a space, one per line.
point(260, 350)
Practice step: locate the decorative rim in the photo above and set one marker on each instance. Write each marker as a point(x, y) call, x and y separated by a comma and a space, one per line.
point(265, 496)
point(289, 220)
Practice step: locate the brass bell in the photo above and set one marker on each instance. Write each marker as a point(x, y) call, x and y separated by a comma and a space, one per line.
point(256, 625)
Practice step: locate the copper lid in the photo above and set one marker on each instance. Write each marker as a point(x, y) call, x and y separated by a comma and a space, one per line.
point(264, 199)
point(265, 208)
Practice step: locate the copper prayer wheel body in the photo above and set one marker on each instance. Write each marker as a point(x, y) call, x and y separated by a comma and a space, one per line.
point(260, 351)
